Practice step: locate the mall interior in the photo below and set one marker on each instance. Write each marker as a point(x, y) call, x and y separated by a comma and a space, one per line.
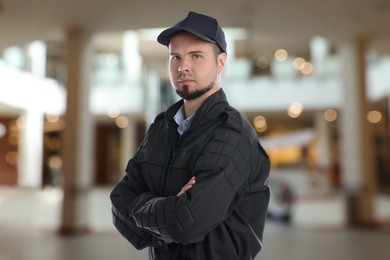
point(81, 81)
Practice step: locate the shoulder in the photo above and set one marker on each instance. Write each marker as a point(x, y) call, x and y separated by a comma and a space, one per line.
point(159, 117)
point(233, 119)
point(237, 123)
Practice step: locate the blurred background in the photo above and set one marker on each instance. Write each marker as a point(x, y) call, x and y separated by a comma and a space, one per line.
point(81, 81)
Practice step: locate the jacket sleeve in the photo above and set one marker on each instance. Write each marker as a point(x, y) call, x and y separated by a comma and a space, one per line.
point(222, 172)
point(121, 197)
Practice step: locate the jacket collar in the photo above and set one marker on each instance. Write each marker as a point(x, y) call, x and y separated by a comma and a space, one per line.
point(212, 107)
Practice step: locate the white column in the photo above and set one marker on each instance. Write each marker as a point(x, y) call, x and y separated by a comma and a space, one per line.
point(319, 50)
point(323, 147)
point(78, 135)
point(351, 119)
point(31, 149)
point(128, 137)
point(358, 176)
point(32, 125)
point(131, 58)
point(37, 58)
point(153, 96)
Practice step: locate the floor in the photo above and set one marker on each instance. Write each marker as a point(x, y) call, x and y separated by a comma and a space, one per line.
point(29, 221)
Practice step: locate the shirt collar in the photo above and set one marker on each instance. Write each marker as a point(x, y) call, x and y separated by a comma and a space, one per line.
point(184, 123)
point(180, 115)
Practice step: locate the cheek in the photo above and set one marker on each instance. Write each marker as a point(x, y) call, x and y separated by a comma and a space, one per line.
point(170, 67)
point(173, 76)
point(172, 70)
point(209, 71)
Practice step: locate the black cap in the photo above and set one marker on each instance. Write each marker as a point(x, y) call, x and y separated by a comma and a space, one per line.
point(202, 26)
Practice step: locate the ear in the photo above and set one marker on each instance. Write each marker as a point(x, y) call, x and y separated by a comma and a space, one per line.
point(221, 59)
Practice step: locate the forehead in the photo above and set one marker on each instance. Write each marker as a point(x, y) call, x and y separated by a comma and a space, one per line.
point(188, 40)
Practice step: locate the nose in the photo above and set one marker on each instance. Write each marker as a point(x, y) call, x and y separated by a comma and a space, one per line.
point(183, 67)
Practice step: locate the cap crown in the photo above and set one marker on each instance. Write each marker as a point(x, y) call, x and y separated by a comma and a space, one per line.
point(202, 26)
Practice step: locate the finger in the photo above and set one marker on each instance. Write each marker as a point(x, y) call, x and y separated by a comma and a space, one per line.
point(188, 186)
point(192, 180)
point(184, 189)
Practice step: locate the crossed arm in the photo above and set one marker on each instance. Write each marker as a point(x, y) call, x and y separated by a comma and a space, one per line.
point(172, 218)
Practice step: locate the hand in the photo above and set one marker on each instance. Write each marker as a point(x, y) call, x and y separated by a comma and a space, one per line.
point(186, 187)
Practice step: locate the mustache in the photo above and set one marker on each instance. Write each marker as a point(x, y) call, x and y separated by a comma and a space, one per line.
point(185, 76)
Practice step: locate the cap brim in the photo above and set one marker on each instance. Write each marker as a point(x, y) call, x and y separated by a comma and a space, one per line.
point(165, 36)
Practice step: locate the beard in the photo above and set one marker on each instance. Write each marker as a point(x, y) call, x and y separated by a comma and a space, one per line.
point(185, 93)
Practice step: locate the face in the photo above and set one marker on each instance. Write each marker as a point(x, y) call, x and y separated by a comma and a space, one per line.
point(194, 66)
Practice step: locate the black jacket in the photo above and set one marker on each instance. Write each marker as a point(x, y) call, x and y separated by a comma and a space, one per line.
point(222, 216)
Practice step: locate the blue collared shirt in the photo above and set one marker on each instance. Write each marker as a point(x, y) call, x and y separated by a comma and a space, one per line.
point(183, 122)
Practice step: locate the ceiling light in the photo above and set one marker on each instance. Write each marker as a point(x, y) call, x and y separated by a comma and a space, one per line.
point(299, 63)
point(374, 116)
point(330, 115)
point(113, 112)
point(281, 55)
point(260, 123)
point(295, 110)
point(121, 122)
point(307, 68)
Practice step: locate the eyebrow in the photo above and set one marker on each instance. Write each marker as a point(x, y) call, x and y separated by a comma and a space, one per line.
point(191, 52)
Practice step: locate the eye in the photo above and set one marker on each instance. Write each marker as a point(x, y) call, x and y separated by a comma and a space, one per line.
point(175, 58)
point(196, 56)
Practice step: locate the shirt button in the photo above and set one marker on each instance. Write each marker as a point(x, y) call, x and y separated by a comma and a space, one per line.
point(159, 243)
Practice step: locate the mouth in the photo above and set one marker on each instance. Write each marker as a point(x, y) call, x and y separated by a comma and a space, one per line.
point(184, 81)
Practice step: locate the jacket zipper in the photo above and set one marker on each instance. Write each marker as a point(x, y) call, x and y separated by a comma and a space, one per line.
point(171, 157)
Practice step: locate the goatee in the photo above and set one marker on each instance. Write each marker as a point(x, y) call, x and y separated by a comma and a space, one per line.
point(184, 93)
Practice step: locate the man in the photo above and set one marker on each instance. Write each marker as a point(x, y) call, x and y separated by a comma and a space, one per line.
point(196, 187)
